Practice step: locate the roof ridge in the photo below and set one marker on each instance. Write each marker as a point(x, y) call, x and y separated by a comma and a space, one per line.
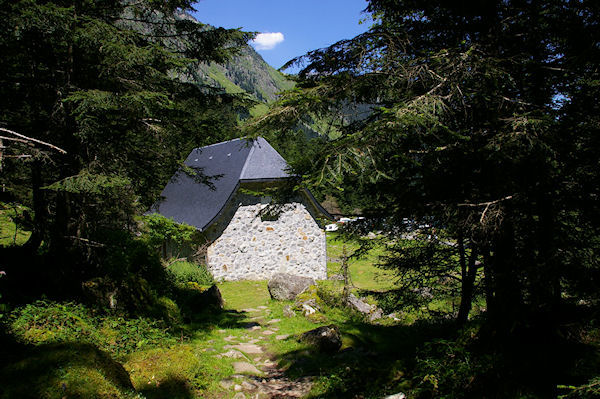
point(254, 144)
point(222, 142)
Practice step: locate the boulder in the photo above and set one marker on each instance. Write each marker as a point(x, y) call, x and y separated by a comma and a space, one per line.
point(371, 311)
point(398, 395)
point(359, 305)
point(285, 287)
point(376, 314)
point(212, 297)
point(198, 299)
point(326, 339)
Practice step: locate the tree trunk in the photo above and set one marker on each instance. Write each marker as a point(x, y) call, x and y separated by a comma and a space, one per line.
point(507, 289)
point(39, 211)
point(468, 274)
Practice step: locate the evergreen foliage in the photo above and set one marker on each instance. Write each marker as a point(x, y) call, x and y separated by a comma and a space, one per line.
point(108, 83)
point(482, 126)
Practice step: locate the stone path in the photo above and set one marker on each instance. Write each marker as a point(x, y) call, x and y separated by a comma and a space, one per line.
point(257, 375)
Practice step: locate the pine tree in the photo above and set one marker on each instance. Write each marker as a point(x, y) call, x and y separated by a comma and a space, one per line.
point(464, 134)
point(109, 82)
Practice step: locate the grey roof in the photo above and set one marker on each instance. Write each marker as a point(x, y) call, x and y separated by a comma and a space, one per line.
point(223, 166)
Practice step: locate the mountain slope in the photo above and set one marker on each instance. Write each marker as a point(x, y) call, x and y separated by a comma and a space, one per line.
point(246, 72)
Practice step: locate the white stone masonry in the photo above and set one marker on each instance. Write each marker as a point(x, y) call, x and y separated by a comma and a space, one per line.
point(255, 248)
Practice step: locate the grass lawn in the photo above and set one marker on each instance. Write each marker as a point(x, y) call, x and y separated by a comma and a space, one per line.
point(10, 234)
point(363, 272)
point(193, 360)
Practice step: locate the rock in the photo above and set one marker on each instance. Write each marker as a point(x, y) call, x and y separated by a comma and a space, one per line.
point(232, 354)
point(376, 314)
point(372, 311)
point(246, 368)
point(288, 312)
point(285, 287)
point(424, 292)
point(268, 332)
point(307, 310)
point(398, 395)
point(359, 305)
point(212, 297)
point(371, 236)
point(246, 348)
point(273, 321)
point(281, 337)
point(226, 384)
point(336, 277)
point(326, 339)
point(239, 395)
point(248, 386)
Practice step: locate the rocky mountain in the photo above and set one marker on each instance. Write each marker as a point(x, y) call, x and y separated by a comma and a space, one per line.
point(247, 72)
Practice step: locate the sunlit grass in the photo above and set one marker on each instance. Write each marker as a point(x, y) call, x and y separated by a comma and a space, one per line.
point(364, 273)
point(10, 233)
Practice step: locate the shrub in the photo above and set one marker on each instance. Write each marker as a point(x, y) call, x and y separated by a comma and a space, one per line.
point(45, 322)
point(187, 272)
point(168, 310)
point(450, 367)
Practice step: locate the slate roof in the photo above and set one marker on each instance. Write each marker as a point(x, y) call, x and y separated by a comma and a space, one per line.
point(224, 165)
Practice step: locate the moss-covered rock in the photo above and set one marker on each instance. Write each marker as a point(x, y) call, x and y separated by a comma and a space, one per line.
point(309, 297)
point(168, 310)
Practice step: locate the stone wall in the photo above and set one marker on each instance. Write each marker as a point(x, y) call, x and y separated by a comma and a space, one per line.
point(249, 246)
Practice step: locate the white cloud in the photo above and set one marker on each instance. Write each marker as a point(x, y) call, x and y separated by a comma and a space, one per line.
point(268, 40)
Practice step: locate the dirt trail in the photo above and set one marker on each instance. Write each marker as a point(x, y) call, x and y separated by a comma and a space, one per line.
point(257, 375)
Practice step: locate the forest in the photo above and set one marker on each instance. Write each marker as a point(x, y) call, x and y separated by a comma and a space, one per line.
point(465, 134)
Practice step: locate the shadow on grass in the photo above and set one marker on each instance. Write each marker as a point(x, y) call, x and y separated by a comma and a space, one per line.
point(433, 359)
point(59, 370)
point(76, 369)
point(172, 388)
point(374, 362)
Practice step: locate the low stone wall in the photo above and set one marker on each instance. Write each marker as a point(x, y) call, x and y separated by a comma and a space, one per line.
point(247, 246)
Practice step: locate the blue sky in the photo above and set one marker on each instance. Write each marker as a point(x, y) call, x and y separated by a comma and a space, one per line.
point(295, 27)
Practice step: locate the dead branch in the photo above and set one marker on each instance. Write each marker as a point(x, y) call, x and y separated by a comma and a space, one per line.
point(488, 203)
point(22, 136)
point(87, 242)
point(14, 139)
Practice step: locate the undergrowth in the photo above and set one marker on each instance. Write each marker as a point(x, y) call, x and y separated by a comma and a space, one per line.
point(185, 272)
point(45, 322)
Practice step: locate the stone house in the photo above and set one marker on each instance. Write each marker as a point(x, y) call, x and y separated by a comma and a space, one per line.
point(247, 236)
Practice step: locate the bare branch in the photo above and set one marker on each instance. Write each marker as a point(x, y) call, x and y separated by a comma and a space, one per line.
point(14, 139)
point(488, 203)
point(87, 242)
point(22, 136)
